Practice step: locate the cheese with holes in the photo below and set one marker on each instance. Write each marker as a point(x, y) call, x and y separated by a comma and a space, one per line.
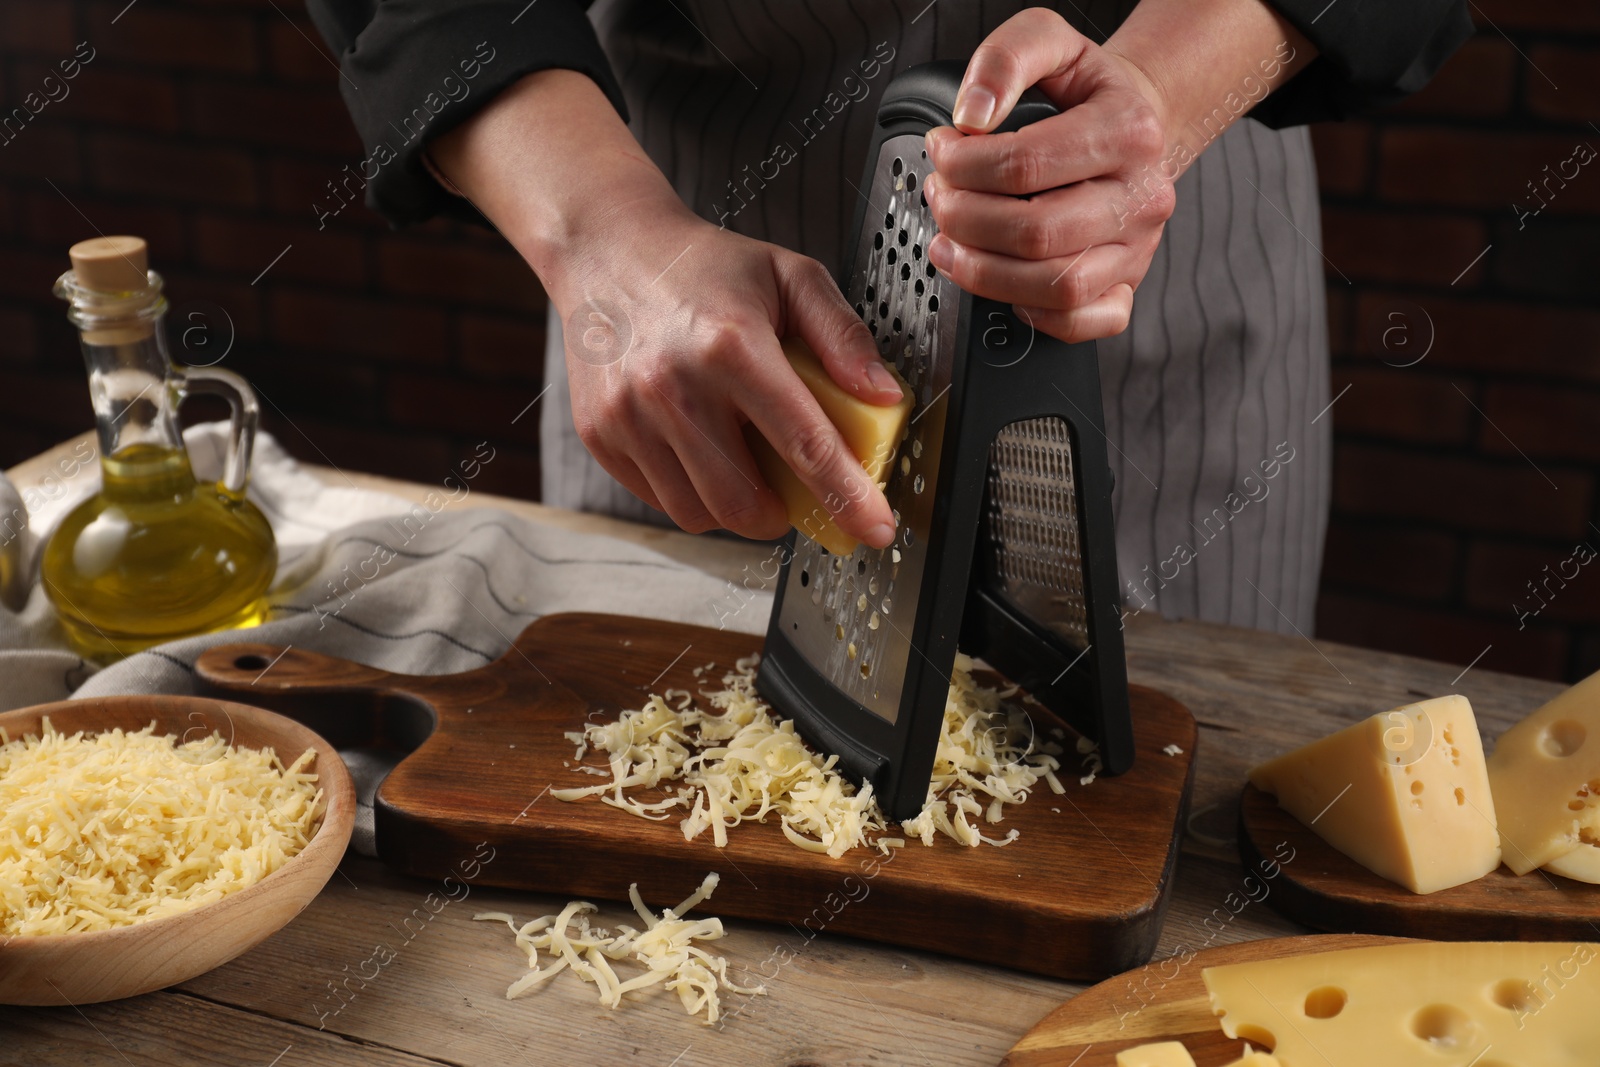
point(871, 431)
point(1161, 1054)
point(1546, 778)
point(1404, 793)
point(1488, 1004)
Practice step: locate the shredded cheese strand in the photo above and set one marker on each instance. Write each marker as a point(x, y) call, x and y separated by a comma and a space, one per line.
point(737, 763)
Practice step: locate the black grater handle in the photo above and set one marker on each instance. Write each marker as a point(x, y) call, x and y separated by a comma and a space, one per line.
point(927, 94)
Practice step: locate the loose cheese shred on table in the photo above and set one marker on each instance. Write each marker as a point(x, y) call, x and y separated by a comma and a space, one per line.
point(738, 762)
point(117, 828)
point(666, 947)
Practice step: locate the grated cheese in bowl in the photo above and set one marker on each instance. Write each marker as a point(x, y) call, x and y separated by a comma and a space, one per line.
point(737, 762)
point(105, 830)
point(666, 947)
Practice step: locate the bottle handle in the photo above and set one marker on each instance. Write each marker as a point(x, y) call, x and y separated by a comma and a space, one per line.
point(246, 418)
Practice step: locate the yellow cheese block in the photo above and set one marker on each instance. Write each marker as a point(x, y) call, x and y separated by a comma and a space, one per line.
point(871, 431)
point(1487, 1004)
point(1257, 1059)
point(1405, 794)
point(1546, 777)
point(1162, 1054)
point(1582, 864)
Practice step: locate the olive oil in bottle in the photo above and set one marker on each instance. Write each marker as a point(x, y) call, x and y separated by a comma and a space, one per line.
point(155, 555)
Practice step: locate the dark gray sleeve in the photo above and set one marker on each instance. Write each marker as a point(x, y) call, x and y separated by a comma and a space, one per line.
point(414, 69)
point(1370, 53)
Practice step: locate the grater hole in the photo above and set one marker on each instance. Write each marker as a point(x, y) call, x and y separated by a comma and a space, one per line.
point(891, 257)
point(877, 242)
point(888, 220)
point(883, 310)
point(872, 293)
point(861, 309)
point(897, 324)
point(903, 237)
point(916, 251)
point(924, 198)
point(805, 578)
point(911, 180)
point(899, 166)
point(933, 302)
point(872, 327)
point(928, 270)
point(905, 271)
point(866, 669)
point(919, 287)
point(861, 566)
point(916, 486)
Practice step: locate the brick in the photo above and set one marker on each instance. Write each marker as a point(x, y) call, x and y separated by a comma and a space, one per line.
point(222, 303)
point(19, 337)
point(1344, 156)
point(1401, 247)
point(1551, 260)
point(338, 444)
point(304, 120)
point(168, 38)
point(1385, 558)
point(1485, 169)
point(247, 246)
point(41, 26)
point(1447, 635)
point(1542, 421)
point(492, 277)
point(50, 401)
point(1495, 336)
point(1460, 492)
point(478, 410)
point(29, 275)
point(1401, 405)
point(1479, 80)
point(298, 54)
point(1528, 584)
point(41, 152)
point(145, 166)
point(514, 472)
point(52, 223)
point(496, 347)
point(117, 97)
point(1577, 71)
point(386, 330)
point(299, 191)
point(1539, 15)
point(321, 389)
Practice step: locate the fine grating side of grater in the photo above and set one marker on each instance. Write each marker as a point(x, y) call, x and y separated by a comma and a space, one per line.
point(1002, 499)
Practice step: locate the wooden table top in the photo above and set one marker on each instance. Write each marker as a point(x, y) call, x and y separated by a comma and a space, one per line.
point(440, 998)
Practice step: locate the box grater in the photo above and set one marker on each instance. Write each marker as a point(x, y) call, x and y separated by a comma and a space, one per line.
point(1002, 497)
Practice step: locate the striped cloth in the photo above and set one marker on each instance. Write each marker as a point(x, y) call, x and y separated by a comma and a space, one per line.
point(1213, 396)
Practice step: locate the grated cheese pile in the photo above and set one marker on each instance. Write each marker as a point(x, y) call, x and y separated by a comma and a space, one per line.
point(666, 947)
point(739, 763)
point(116, 828)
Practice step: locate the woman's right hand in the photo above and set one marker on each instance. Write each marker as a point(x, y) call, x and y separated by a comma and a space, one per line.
point(672, 324)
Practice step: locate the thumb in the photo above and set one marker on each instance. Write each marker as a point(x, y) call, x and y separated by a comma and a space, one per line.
point(1027, 48)
point(814, 309)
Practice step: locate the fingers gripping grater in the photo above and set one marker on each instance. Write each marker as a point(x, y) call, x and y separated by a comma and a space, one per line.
point(1002, 496)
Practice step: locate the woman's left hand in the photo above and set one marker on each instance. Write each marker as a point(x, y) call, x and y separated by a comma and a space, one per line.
point(1062, 217)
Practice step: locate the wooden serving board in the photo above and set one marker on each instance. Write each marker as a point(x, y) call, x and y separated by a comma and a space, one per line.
point(1161, 1001)
point(1079, 895)
point(1327, 890)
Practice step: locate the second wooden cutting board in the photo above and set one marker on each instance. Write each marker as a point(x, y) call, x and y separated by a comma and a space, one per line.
point(1079, 895)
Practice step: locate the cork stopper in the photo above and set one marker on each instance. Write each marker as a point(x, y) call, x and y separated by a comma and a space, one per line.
point(111, 264)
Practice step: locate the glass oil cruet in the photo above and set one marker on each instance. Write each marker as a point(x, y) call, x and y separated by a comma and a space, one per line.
point(155, 555)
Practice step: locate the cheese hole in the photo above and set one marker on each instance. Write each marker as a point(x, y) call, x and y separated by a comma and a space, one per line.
point(1258, 1035)
point(1562, 739)
point(1325, 1002)
point(1416, 789)
point(1576, 805)
point(1515, 994)
point(1444, 1026)
point(1461, 797)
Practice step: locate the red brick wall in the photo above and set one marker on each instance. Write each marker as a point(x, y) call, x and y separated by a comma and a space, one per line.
point(211, 126)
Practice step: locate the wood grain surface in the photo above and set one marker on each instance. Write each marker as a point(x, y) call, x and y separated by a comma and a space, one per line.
point(1083, 886)
point(1162, 1001)
point(1327, 890)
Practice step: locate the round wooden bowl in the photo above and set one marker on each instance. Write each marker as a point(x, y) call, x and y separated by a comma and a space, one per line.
point(85, 968)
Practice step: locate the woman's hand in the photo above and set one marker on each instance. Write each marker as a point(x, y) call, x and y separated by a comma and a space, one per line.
point(672, 324)
point(1062, 217)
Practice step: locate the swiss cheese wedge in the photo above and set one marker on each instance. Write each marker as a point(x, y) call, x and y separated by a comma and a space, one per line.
point(1404, 793)
point(871, 431)
point(1161, 1054)
point(1582, 864)
point(1488, 1004)
point(1546, 777)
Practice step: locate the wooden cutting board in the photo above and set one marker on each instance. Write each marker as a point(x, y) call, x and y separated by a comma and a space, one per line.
point(1079, 895)
point(1327, 890)
point(1162, 1001)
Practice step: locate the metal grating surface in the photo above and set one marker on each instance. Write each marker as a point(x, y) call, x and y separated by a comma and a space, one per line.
point(1032, 525)
point(852, 617)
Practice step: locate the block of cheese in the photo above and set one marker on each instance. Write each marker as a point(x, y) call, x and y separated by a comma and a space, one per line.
point(1488, 1004)
point(1161, 1054)
point(1404, 793)
point(1582, 864)
point(871, 431)
point(1257, 1059)
point(1546, 778)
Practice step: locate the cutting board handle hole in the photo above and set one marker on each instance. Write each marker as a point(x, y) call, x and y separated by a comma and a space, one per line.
point(251, 663)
